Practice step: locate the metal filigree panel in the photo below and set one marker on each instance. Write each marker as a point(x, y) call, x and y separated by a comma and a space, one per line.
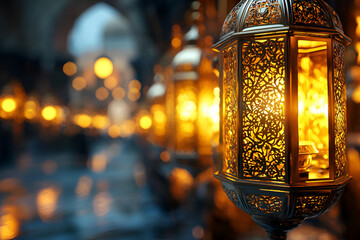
point(263, 116)
point(308, 206)
point(230, 110)
point(264, 205)
point(340, 109)
point(263, 12)
point(231, 19)
point(309, 12)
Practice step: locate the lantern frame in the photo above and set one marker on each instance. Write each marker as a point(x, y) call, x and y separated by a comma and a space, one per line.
point(281, 201)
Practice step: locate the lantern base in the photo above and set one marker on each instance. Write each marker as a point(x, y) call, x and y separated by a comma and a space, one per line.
point(277, 229)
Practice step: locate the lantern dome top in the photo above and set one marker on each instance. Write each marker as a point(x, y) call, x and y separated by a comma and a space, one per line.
point(251, 15)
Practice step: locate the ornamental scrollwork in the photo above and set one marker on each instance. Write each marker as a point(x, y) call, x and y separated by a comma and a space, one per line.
point(340, 109)
point(231, 19)
point(309, 12)
point(232, 195)
point(231, 111)
point(264, 205)
point(263, 103)
point(263, 12)
point(308, 206)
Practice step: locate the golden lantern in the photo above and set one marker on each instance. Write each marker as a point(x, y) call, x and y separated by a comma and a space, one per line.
point(282, 154)
point(195, 97)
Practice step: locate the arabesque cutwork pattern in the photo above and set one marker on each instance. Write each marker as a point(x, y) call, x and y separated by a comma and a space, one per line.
point(263, 12)
point(335, 17)
point(231, 19)
point(231, 111)
point(262, 204)
point(340, 109)
point(308, 206)
point(231, 195)
point(263, 116)
point(309, 12)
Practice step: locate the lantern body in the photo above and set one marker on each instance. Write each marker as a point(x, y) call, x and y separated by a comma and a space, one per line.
point(283, 110)
point(196, 98)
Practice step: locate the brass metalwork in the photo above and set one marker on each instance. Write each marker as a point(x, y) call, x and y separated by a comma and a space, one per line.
point(263, 12)
point(282, 153)
point(309, 12)
point(263, 117)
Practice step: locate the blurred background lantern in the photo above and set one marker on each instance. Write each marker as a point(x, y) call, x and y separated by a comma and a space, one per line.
point(195, 97)
point(283, 110)
point(156, 98)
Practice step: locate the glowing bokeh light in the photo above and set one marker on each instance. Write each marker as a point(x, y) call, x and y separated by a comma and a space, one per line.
point(82, 120)
point(135, 84)
point(118, 93)
point(102, 93)
point(9, 105)
point(70, 68)
point(9, 225)
point(46, 201)
point(111, 82)
point(145, 122)
point(49, 113)
point(83, 187)
point(99, 162)
point(103, 67)
point(100, 122)
point(114, 131)
point(30, 109)
point(79, 83)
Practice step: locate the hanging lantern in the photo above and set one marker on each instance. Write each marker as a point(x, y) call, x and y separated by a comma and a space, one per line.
point(195, 95)
point(283, 110)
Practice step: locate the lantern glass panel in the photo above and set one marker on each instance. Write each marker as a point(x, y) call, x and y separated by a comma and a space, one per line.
point(185, 116)
point(313, 109)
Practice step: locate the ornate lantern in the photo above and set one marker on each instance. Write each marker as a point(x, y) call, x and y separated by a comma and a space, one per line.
point(195, 95)
point(283, 110)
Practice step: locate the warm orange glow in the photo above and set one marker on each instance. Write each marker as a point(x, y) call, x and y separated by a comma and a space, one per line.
point(356, 95)
point(165, 156)
point(181, 182)
point(102, 93)
point(100, 122)
point(145, 122)
point(70, 69)
point(114, 131)
point(118, 93)
point(84, 186)
point(134, 94)
point(99, 162)
point(127, 128)
point(176, 42)
point(185, 116)
point(9, 224)
point(111, 82)
point(47, 203)
point(101, 204)
point(79, 83)
point(159, 121)
point(103, 67)
point(82, 120)
point(313, 110)
point(135, 84)
point(49, 113)
point(9, 104)
point(30, 109)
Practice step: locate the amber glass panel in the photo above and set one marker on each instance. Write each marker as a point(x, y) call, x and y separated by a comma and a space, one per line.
point(313, 119)
point(230, 110)
point(185, 116)
point(263, 118)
